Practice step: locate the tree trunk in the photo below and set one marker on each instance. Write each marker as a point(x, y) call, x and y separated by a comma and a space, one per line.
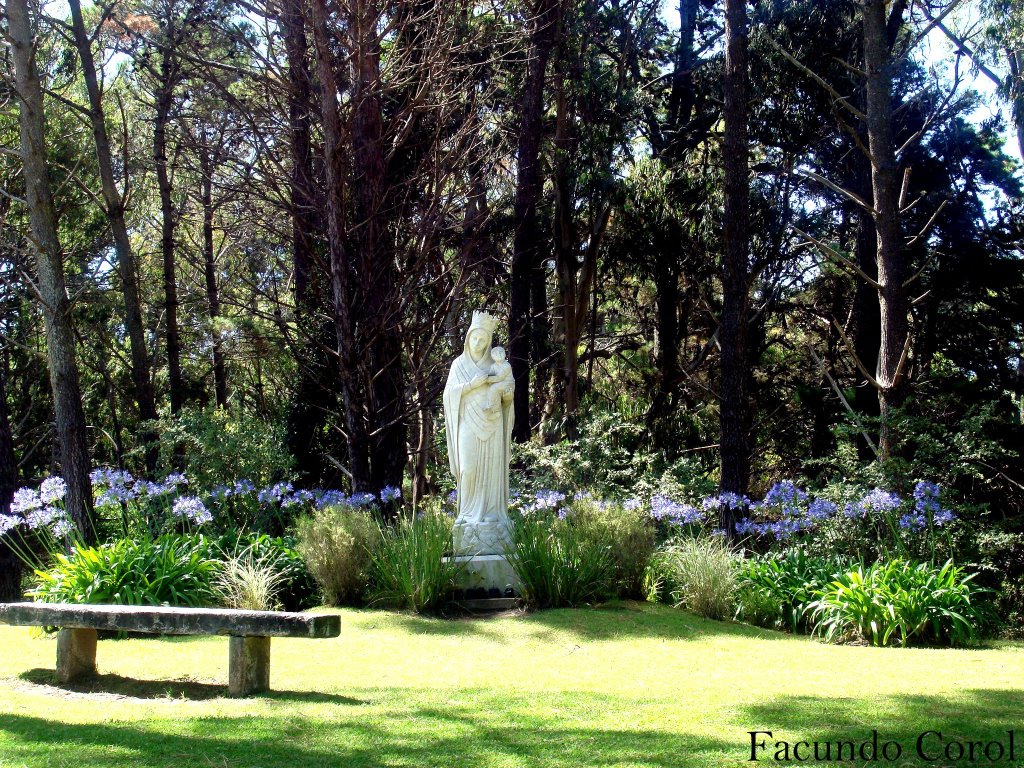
point(220, 379)
point(10, 565)
point(529, 186)
point(735, 418)
point(60, 335)
point(866, 319)
point(126, 263)
point(893, 300)
point(164, 98)
point(317, 380)
point(380, 317)
point(341, 269)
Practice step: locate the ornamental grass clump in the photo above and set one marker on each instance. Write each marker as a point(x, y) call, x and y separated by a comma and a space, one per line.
point(338, 543)
point(560, 560)
point(410, 567)
point(250, 581)
point(698, 574)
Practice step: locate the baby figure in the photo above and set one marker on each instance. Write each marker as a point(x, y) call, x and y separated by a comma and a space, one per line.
point(500, 379)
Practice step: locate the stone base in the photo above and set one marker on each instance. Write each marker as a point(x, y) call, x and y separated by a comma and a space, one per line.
point(491, 605)
point(488, 538)
point(488, 572)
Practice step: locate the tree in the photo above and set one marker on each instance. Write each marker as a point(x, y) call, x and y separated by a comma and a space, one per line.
point(52, 292)
point(732, 332)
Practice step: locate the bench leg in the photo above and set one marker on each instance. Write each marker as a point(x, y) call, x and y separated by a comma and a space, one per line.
point(248, 665)
point(76, 654)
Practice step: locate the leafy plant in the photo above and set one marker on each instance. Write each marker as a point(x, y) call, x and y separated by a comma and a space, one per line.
point(698, 574)
point(626, 532)
point(409, 568)
point(169, 570)
point(774, 590)
point(899, 603)
point(337, 544)
point(560, 563)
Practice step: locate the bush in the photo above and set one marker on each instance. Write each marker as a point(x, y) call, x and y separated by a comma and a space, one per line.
point(337, 546)
point(169, 570)
point(560, 563)
point(698, 574)
point(251, 580)
point(899, 603)
point(627, 535)
point(409, 568)
point(775, 590)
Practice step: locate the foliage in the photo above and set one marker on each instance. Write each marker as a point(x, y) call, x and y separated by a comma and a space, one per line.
point(560, 563)
point(612, 458)
point(775, 590)
point(695, 573)
point(337, 544)
point(214, 445)
point(625, 530)
point(411, 566)
point(169, 570)
point(901, 603)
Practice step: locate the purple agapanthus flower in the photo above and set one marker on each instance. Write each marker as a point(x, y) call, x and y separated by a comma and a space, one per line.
point(25, 500)
point(821, 509)
point(727, 499)
point(632, 504)
point(52, 489)
point(873, 502)
point(9, 523)
point(363, 499)
point(191, 508)
point(390, 493)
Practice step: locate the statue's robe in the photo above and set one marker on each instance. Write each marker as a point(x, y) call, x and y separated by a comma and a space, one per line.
point(478, 444)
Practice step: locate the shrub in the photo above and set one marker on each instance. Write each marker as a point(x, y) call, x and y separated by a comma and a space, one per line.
point(337, 545)
point(698, 574)
point(560, 563)
point(626, 532)
point(775, 590)
point(409, 568)
point(169, 570)
point(899, 602)
point(250, 580)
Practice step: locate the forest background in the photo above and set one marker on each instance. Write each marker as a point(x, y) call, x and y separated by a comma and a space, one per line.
point(734, 242)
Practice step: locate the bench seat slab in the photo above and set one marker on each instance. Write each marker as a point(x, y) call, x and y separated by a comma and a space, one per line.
point(172, 621)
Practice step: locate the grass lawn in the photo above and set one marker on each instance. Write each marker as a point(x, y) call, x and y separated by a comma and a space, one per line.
point(623, 685)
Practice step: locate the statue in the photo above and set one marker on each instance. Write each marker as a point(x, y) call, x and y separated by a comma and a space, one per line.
point(478, 416)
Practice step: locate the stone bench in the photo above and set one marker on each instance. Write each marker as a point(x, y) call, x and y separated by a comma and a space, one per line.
point(249, 633)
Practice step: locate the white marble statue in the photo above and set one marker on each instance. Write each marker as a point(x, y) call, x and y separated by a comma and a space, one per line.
point(478, 416)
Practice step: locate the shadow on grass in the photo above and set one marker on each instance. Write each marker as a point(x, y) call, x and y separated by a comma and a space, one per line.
point(979, 715)
point(130, 687)
point(627, 619)
point(429, 736)
point(615, 620)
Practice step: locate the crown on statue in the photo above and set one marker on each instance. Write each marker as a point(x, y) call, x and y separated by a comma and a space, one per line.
point(484, 321)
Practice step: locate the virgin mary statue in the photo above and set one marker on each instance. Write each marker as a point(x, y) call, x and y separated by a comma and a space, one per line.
point(478, 416)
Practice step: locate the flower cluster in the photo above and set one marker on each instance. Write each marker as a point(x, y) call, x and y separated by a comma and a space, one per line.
point(664, 509)
point(926, 508)
point(544, 499)
point(728, 499)
point(40, 511)
point(785, 511)
point(191, 508)
point(874, 502)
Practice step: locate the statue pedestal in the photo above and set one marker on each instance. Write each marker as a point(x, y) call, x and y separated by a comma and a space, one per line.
point(487, 572)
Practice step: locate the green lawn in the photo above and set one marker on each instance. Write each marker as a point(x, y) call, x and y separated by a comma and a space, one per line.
point(620, 685)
